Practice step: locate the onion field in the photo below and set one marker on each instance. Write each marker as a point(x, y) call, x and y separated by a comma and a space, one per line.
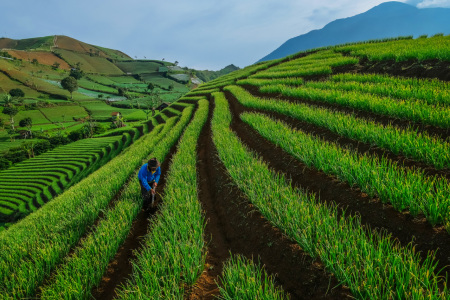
point(315, 176)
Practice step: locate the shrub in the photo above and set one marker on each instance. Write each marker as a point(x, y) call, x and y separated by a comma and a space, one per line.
point(16, 93)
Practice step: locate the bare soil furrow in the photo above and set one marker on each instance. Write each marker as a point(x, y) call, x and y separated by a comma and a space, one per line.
point(373, 212)
point(345, 142)
point(235, 226)
point(381, 119)
point(120, 268)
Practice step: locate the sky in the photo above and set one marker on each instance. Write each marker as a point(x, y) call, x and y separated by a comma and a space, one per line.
point(199, 34)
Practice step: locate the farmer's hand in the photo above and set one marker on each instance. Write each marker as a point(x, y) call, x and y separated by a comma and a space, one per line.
point(153, 191)
point(155, 184)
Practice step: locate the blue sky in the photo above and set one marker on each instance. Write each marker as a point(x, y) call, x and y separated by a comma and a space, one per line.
point(201, 34)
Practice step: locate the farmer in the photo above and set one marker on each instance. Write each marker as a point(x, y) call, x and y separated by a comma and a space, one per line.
point(148, 179)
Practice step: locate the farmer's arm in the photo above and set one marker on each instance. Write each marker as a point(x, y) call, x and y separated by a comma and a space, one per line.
point(143, 177)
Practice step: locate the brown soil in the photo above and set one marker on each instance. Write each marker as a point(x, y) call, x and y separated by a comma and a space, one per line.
point(382, 119)
point(361, 147)
point(120, 268)
point(373, 212)
point(159, 119)
point(43, 57)
point(235, 225)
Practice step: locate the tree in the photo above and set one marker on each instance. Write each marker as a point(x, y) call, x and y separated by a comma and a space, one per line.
point(11, 111)
point(28, 123)
point(29, 148)
point(35, 61)
point(150, 86)
point(171, 87)
point(17, 93)
point(122, 91)
point(70, 84)
point(11, 132)
point(7, 100)
point(176, 63)
point(151, 103)
point(76, 73)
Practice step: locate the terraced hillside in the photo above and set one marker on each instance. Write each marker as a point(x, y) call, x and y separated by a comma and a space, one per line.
point(323, 175)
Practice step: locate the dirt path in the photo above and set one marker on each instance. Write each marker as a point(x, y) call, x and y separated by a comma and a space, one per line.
point(373, 213)
point(120, 268)
point(235, 225)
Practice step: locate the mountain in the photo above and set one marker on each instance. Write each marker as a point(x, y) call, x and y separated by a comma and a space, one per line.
point(54, 42)
point(389, 19)
point(207, 75)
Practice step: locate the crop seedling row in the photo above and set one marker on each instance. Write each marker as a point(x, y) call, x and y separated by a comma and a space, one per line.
point(371, 264)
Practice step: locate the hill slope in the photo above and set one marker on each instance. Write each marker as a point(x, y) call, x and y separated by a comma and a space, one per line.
point(390, 19)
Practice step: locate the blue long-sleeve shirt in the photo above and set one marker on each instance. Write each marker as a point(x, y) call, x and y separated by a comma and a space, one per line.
point(146, 176)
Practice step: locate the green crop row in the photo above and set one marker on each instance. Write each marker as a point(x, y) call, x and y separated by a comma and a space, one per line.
point(371, 264)
point(304, 71)
point(172, 256)
point(321, 58)
point(81, 271)
point(320, 63)
point(408, 142)
point(31, 248)
point(412, 110)
point(67, 163)
point(292, 81)
point(201, 92)
point(214, 85)
point(243, 279)
point(191, 98)
point(404, 188)
point(437, 47)
point(433, 91)
point(389, 92)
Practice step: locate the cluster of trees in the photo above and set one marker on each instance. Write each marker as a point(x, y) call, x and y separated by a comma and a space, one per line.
point(30, 149)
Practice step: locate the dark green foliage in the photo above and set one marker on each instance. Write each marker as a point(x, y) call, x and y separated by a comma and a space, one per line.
point(27, 122)
point(122, 91)
point(42, 146)
point(70, 84)
point(76, 73)
point(58, 141)
point(10, 111)
point(5, 54)
point(17, 93)
point(56, 65)
point(4, 163)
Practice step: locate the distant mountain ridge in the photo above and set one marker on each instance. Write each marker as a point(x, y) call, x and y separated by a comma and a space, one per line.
point(389, 19)
point(206, 75)
point(54, 42)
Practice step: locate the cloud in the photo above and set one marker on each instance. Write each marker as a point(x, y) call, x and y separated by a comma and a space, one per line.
point(429, 3)
point(434, 3)
point(205, 34)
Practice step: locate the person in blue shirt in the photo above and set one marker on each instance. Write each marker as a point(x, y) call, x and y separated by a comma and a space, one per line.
point(148, 179)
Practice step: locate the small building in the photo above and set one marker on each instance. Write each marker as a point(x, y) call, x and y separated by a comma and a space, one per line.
point(115, 115)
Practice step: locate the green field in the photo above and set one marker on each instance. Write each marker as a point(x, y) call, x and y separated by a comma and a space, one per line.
point(139, 67)
point(321, 175)
point(90, 64)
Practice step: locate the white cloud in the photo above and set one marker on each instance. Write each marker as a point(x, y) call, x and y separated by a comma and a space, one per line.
point(434, 3)
point(205, 34)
